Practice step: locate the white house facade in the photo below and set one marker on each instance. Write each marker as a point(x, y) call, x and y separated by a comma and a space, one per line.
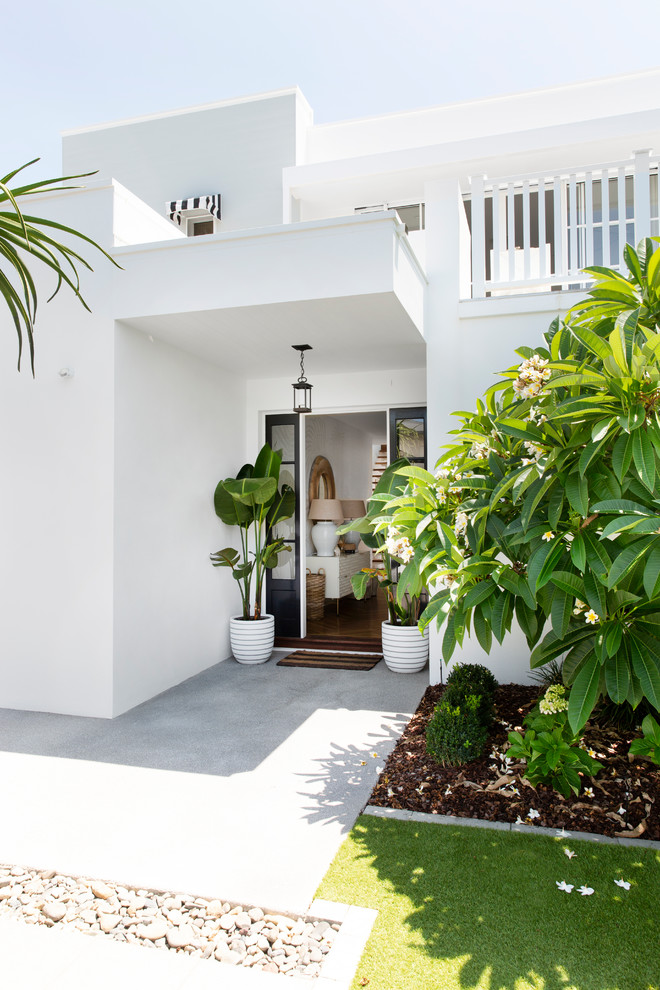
point(413, 252)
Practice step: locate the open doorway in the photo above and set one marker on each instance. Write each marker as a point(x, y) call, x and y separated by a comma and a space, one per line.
point(338, 460)
point(345, 453)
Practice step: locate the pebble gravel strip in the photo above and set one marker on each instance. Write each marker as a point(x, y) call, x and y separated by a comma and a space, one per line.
point(197, 926)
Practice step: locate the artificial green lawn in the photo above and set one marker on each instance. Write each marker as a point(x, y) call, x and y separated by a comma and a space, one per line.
point(475, 908)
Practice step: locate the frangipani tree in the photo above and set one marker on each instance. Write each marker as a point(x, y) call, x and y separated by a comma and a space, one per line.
point(544, 508)
point(25, 238)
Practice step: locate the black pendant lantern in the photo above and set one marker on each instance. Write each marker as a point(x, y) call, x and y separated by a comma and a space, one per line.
point(302, 390)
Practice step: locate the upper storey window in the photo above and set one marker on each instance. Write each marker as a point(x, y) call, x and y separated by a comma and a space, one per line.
point(197, 215)
point(413, 215)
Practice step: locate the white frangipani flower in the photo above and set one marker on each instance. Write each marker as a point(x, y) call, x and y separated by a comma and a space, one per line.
point(561, 833)
point(621, 811)
point(533, 813)
point(519, 821)
point(568, 887)
point(585, 891)
point(623, 883)
point(589, 792)
point(568, 852)
point(591, 618)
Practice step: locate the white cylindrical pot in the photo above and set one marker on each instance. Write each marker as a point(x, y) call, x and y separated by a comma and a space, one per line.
point(405, 648)
point(252, 639)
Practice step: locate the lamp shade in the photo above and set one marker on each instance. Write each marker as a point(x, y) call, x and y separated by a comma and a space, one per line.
point(353, 508)
point(327, 510)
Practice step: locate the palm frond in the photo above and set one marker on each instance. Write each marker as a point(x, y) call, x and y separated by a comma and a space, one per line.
point(21, 232)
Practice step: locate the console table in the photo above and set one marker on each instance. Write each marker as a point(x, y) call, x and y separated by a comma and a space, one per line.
point(338, 572)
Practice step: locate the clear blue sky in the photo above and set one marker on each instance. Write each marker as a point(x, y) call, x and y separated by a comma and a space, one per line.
point(71, 63)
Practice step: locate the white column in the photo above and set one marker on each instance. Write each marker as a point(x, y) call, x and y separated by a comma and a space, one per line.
point(642, 195)
point(478, 237)
point(445, 216)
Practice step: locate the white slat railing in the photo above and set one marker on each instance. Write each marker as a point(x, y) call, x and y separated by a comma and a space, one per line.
point(536, 232)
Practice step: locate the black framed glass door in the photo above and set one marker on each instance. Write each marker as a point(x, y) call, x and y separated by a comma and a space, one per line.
point(408, 435)
point(283, 583)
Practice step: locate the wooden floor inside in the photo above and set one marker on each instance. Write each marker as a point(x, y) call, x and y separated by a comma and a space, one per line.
point(356, 625)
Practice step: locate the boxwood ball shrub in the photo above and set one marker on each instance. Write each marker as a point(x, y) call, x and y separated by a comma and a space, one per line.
point(456, 734)
point(468, 679)
point(458, 693)
point(474, 674)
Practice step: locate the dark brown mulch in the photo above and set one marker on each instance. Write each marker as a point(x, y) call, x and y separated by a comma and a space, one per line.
point(626, 791)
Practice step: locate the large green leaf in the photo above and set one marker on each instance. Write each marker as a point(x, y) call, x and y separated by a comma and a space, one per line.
point(251, 491)
point(577, 491)
point(626, 560)
point(578, 552)
point(482, 630)
point(518, 585)
point(268, 462)
point(283, 506)
point(652, 572)
point(569, 582)
point(644, 457)
point(595, 593)
point(231, 512)
point(562, 610)
point(553, 646)
point(478, 593)
point(535, 493)
point(584, 694)
point(645, 666)
point(622, 453)
point(617, 678)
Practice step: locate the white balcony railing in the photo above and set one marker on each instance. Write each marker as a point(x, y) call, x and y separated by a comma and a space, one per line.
point(534, 233)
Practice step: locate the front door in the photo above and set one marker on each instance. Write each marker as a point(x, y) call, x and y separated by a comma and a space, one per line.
point(283, 583)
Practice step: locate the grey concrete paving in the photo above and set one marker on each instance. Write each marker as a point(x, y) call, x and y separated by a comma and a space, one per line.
point(240, 783)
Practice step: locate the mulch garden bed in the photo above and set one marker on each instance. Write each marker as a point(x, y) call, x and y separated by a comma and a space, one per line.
point(626, 792)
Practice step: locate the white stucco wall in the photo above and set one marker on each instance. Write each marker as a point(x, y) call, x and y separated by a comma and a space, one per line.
point(175, 438)
point(237, 149)
point(56, 512)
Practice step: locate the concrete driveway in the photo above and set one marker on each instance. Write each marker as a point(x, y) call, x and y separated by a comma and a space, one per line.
point(239, 783)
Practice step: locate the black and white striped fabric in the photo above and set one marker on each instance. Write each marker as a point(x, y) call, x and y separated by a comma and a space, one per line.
point(210, 203)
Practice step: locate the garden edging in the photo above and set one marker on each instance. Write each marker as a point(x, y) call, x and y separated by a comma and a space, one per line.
point(404, 815)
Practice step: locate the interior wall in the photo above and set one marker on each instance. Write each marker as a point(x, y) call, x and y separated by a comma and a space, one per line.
point(349, 451)
point(176, 437)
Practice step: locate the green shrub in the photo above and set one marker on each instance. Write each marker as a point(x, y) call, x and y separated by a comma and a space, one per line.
point(456, 734)
point(457, 693)
point(478, 677)
point(649, 746)
point(549, 746)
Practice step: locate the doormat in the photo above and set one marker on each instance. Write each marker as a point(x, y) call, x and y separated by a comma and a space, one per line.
point(340, 661)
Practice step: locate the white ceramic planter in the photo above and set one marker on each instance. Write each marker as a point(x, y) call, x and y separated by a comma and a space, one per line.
point(405, 649)
point(252, 639)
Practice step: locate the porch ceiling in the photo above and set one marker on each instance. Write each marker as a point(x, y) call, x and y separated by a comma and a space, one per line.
point(358, 333)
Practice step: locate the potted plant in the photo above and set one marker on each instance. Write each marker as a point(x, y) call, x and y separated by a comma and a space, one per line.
point(254, 503)
point(405, 647)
